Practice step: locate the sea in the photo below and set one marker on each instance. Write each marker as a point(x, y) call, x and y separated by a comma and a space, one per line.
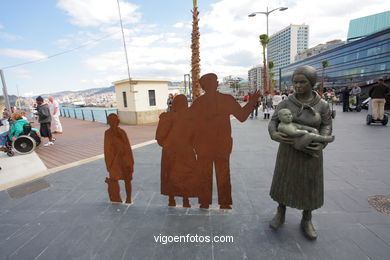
point(96, 114)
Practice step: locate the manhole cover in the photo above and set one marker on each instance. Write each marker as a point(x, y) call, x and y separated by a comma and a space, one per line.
point(27, 188)
point(380, 203)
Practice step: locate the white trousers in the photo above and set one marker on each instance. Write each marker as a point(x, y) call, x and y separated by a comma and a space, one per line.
point(57, 127)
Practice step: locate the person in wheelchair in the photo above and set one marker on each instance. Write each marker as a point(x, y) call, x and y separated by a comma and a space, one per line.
point(5, 124)
point(21, 137)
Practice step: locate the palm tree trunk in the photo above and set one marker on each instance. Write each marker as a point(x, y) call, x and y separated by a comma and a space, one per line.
point(195, 58)
point(265, 71)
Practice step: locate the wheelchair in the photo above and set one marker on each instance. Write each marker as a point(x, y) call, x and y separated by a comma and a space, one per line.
point(26, 143)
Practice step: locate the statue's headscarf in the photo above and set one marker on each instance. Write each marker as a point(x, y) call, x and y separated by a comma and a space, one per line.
point(309, 72)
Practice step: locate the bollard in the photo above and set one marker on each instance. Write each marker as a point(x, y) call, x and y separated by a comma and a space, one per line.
point(93, 117)
point(74, 110)
point(82, 113)
point(106, 116)
point(68, 113)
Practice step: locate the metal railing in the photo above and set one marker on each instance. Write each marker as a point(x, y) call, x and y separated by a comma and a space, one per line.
point(94, 115)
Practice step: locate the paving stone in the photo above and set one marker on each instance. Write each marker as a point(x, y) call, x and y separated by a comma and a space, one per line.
point(73, 218)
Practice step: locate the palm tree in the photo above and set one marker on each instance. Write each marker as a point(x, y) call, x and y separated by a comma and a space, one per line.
point(271, 77)
point(195, 58)
point(264, 40)
point(325, 64)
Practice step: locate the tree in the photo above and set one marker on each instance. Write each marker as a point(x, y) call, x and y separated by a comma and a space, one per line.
point(195, 58)
point(264, 40)
point(271, 77)
point(325, 64)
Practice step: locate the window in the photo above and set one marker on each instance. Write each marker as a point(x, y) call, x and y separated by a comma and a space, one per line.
point(152, 98)
point(124, 99)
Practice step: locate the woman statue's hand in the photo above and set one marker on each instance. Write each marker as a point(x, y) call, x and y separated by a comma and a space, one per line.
point(281, 138)
point(315, 147)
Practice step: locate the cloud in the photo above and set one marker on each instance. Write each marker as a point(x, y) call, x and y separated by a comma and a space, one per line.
point(99, 12)
point(23, 54)
point(10, 37)
point(178, 25)
point(229, 38)
point(29, 94)
point(145, 40)
point(20, 70)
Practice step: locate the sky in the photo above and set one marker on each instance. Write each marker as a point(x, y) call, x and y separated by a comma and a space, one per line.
point(77, 44)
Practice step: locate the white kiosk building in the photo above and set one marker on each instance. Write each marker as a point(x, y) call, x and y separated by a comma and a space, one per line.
point(142, 101)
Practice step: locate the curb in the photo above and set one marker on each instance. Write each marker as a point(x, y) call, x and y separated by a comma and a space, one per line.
point(64, 167)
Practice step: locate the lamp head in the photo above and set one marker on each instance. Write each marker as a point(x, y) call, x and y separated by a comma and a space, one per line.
point(252, 14)
point(283, 8)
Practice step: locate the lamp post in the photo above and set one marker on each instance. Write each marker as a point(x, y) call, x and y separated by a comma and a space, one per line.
point(267, 13)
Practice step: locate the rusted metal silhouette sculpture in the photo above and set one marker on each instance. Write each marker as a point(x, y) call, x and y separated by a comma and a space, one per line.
point(119, 159)
point(213, 141)
point(175, 133)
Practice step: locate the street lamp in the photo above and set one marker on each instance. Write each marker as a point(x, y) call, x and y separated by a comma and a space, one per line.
point(267, 13)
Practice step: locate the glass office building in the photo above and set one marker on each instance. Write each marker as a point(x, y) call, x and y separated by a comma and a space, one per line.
point(360, 62)
point(367, 25)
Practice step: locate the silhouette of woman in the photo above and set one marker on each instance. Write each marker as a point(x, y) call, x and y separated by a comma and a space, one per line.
point(175, 134)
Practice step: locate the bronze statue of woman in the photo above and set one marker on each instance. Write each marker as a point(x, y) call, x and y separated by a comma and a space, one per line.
point(298, 176)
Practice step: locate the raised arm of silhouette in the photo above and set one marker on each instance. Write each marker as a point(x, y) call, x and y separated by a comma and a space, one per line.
point(213, 141)
point(119, 159)
point(175, 133)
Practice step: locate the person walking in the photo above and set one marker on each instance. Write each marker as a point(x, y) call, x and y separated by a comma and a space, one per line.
point(355, 93)
point(345, 94)
point(169, 102)
point(378, 94)
point(267, 104)
point(44, 119)
point(276, 99)
point(255, 110)
point(55, 114)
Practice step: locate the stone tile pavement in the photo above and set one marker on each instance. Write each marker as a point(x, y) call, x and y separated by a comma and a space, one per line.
point(72, 219)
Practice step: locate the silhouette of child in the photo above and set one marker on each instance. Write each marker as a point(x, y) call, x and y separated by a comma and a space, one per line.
point(305, 134)
point(119, 159)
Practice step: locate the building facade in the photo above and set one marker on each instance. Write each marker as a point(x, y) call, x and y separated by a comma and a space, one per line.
point(141, 102)
point(318, 49)
point(364, 26)
point(255, 78)
point(358, 62)
point(284, 45)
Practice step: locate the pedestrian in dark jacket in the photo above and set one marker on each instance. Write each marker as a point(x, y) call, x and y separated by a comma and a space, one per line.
point(255, 109)
point(345, 94)
point(44, 119)
point(378, 94)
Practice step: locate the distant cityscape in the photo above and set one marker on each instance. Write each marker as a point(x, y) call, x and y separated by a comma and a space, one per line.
point(361, 59)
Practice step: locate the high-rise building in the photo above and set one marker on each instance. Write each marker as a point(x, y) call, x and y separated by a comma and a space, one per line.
point(255, 78)
point(364, 26)
point(285, 44)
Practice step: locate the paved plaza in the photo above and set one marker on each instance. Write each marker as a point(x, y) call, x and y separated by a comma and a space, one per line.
point(69, 216)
